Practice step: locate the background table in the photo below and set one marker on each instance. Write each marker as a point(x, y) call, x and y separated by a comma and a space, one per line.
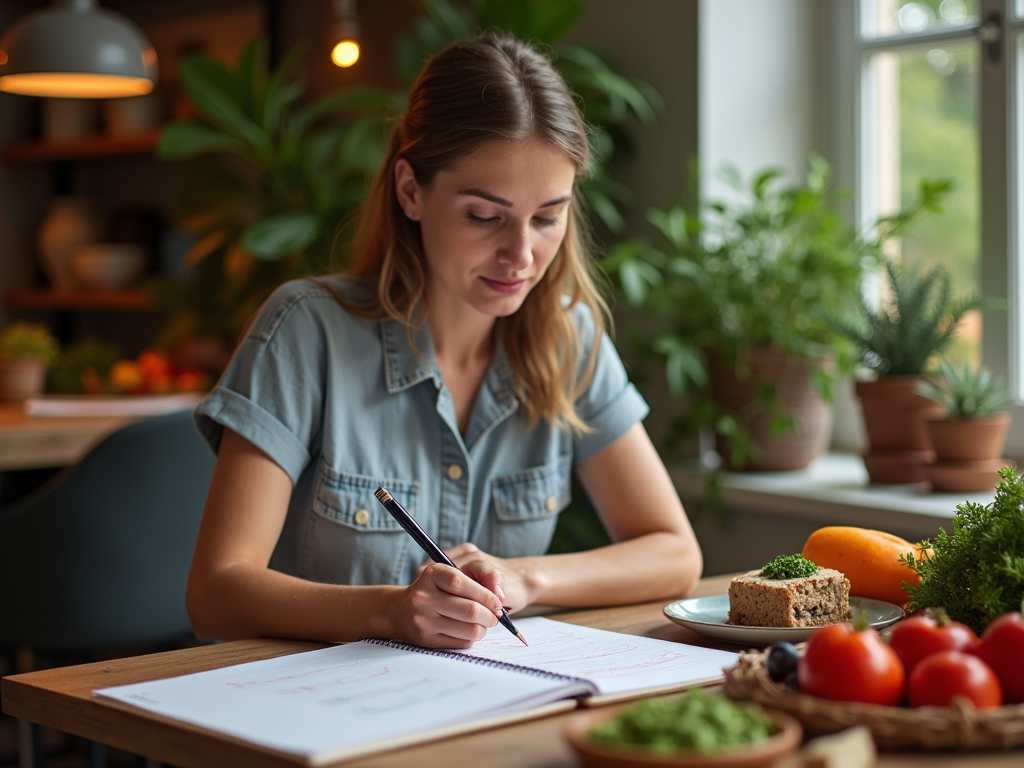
point(62, 699)
point(28, 442)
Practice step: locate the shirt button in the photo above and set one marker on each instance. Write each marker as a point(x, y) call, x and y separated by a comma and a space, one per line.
point(454, 472)
point(362, 517)
point(551, 503)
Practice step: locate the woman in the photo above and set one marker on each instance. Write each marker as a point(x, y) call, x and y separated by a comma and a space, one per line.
point(463, 365)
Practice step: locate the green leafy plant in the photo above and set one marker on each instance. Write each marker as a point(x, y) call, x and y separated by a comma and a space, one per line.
point(609, 100)
point(977, 572)
point(82, 367)
point(965, 393)
point(24, 339)
point(274, 182)
point(915, 324)
point(761, 269)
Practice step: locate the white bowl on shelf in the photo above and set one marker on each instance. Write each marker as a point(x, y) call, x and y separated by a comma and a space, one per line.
point(108, 266)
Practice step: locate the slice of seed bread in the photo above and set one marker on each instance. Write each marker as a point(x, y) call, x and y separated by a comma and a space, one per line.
point(809, 601)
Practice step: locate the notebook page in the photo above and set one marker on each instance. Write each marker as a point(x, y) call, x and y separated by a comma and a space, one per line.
point(338, 698)
point(616, 663)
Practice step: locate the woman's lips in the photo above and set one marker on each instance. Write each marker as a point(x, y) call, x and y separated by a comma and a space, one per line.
point(503, 286)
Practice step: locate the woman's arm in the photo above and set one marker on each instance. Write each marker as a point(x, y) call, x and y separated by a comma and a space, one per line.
point(233, 594)
point(655, 554)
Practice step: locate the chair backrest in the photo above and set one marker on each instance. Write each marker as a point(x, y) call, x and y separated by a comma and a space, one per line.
point(98, 558)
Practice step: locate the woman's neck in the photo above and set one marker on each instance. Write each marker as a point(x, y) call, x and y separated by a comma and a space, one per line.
point(460, 337)
point(463, 346)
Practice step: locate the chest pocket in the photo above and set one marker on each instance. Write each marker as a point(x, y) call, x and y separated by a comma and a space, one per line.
point(526, 506)
point(352, 538)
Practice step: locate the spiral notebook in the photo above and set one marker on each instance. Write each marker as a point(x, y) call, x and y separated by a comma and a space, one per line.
point(347, 700)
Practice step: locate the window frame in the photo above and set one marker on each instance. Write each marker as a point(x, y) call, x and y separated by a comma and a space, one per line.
point(1001, 117)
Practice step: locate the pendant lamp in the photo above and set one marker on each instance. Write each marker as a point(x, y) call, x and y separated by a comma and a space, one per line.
point(76, 50)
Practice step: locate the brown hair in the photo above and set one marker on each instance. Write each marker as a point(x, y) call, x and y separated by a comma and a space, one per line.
point(486, 89)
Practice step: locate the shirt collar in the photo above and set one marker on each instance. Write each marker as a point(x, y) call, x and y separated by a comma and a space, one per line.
point(403, 368)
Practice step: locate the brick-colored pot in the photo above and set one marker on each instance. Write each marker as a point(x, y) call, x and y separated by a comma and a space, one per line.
point(21, 377)
point(894, 414)
point(979, 439)
point(735, 391)
point(899, 445)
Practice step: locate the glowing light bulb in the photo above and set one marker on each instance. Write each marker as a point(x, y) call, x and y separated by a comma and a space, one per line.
point(345, 53)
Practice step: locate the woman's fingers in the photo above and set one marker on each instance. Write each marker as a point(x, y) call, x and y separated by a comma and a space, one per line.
point(465, 585)
point(487, 574)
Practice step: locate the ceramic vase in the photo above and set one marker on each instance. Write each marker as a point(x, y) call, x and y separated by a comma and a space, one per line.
point(69, 224)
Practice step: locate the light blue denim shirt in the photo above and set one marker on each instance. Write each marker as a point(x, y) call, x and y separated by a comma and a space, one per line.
point(344, 405)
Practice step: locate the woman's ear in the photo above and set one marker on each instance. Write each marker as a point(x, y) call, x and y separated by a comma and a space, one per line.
point(407, 189)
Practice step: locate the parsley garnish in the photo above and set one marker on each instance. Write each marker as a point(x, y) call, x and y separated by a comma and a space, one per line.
point(789, 567)
point(977, 573)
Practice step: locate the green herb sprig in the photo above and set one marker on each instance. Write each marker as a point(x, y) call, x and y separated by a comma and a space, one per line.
point(977, 572)
point(694, 721)
point(789, 567)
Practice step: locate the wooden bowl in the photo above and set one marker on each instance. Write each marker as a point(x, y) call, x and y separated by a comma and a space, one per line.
point(598, 755)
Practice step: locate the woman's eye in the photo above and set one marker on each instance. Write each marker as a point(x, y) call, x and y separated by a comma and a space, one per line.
point(482, 220)
point(545, 222)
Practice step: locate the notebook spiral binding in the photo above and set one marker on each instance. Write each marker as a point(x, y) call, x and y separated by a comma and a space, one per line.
point(474, 660)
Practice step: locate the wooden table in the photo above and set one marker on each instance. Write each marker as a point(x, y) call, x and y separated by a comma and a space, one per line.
point(61, 698)
point(29, 442)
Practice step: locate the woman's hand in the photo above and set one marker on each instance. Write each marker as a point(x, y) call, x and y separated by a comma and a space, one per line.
point(445, 608)
point(505, 578)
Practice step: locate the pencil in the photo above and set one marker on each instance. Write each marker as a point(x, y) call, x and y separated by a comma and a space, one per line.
point(429, 546)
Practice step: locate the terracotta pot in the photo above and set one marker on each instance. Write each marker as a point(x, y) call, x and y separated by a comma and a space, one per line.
point(21, 377)
point(895, 421)
point(737, 394)
point(969, 439)
point(898, 466)
point(894, 414)
point(966, 476)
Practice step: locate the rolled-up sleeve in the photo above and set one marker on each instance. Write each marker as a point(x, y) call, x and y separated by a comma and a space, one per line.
point(611, 404)
point(272, 391)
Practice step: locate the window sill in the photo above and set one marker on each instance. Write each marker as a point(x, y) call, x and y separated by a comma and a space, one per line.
point(834, 490)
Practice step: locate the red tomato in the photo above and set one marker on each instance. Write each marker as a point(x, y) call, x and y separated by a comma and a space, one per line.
point(946, 674)
point(1002, 648)
point(920, 636)
point(842, 664)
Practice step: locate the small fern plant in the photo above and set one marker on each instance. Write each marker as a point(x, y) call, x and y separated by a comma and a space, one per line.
point(967, 394)
point(916, 323)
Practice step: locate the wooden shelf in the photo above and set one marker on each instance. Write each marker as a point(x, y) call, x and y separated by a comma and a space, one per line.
point(79, 300)
point(99, 145)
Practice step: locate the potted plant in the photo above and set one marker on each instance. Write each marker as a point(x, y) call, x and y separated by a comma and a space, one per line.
point(26, 350)
point(735, 299)
point(969, 439)
point(897, 340)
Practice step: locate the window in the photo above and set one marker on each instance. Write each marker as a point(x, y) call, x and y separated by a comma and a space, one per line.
point(939, 92)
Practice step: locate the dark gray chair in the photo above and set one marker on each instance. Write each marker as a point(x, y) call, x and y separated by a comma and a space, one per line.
point(96, 560)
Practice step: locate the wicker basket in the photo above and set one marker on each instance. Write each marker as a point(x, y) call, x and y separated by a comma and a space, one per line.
point(959, 726)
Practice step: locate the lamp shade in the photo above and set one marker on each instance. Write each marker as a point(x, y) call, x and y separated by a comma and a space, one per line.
point(76, 50)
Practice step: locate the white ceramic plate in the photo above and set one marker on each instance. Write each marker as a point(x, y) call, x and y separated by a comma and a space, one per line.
point(707, 615)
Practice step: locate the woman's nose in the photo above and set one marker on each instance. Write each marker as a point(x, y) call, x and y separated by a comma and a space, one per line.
point(517, 250)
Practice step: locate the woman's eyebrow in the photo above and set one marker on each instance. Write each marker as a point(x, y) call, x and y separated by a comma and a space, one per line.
point(506, 203)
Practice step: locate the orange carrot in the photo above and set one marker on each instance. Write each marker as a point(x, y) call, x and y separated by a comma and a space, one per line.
point(869, 558)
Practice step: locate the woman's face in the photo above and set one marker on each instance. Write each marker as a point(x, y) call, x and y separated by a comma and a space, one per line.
point(492, 224)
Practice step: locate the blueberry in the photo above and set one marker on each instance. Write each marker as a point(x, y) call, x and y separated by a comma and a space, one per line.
point(782, 661)
point(793, 681)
